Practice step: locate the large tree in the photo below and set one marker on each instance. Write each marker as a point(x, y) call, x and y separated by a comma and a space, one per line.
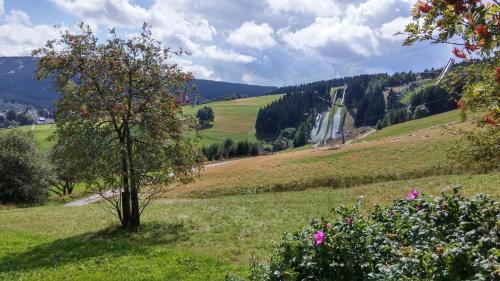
point(119, 116)
point(473, 27)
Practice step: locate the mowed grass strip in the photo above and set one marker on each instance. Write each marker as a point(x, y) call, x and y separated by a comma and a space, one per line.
point(233, 119)
point(414, 125)
point(419, 155)
point(184, 239)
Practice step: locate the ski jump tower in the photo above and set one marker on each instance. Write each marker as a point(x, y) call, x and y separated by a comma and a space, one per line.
point(329, 124)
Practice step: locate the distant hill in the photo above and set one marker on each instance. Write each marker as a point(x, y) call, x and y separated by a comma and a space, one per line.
point(18, 85)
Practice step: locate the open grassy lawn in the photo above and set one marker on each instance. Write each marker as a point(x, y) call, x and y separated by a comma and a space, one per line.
point(233, 119)
point(414, 125)
point(230, 215)
point(402, 157)
point(41, 132)
point(183, 239)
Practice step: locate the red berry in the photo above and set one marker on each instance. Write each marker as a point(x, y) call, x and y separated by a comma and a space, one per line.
point(471, 47)
point(424, 7)
point(460, 104)
point(482, 30)
point(459, 7)
point(490, 120)
point(458, 53)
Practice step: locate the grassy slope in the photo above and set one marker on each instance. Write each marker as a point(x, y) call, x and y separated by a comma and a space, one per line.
point(414, 125)
point(421, 154)
point(233, 119)
point(201, 239)
point(41, 132)
point(190, 239)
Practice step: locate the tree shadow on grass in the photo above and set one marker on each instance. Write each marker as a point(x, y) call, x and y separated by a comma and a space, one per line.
point(110, 242)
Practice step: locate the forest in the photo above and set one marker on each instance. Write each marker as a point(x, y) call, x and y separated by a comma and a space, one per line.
point(364, 101)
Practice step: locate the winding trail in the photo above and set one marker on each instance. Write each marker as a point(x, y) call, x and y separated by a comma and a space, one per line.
point(98, 197)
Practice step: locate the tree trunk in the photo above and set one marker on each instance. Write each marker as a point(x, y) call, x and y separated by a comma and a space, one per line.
point(135, 214)
point(126, 219)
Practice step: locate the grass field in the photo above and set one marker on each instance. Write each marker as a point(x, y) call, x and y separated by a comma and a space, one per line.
point(230, 215)
point(182, 239)
point(423, 153)
point(414, 125)
point(41, 132)
point(233, 119)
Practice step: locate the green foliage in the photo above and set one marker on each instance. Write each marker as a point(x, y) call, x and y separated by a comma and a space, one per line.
point(10, 115)
point(372, 105)
point(476, 23)
point(66, 173)
point(119, 116)
point(421, 238)
point(441, 20)
point(231, 149)
point(205, 115)
point(303, 132)
point(24, 175)
point(478, 83)
point(479, 149)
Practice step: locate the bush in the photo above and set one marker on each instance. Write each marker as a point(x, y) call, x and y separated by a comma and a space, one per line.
point(478, 149)
point(205, 115)
point(24, 174)
point(420, 238)
point(230, 149)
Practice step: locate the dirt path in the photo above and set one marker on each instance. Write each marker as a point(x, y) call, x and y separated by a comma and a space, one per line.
point(363, 136)
point(98, 197)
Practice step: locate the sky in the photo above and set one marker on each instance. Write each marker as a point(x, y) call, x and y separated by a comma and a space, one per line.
point(262, 42)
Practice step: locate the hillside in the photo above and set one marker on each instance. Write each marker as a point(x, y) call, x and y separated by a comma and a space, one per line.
point(187, 238)
point(234, 119)
point(412, 150)
point(18, 85)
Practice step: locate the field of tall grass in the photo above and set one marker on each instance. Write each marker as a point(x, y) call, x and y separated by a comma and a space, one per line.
point(183, 239)
point(422, 154)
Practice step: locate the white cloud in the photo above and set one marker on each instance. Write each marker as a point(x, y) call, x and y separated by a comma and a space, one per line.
point(111, 12)
point(169, 20)
point(215, 53)
point(388, 29)
point(314, 7)
point(359, 39)
point(198, 71)
point(370, 11)
point(167, 17)
point(253, 35)
point(18, 36)
point(1, 8)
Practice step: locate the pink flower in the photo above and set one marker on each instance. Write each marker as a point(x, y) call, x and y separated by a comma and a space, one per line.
point(319, 237)
point(412, 195)
point(349, 221)
point(328, 225)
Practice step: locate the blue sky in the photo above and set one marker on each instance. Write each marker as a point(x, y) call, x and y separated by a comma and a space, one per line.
point(269, 42)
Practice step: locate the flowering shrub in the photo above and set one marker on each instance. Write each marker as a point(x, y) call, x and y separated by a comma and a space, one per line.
point(419, 238)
